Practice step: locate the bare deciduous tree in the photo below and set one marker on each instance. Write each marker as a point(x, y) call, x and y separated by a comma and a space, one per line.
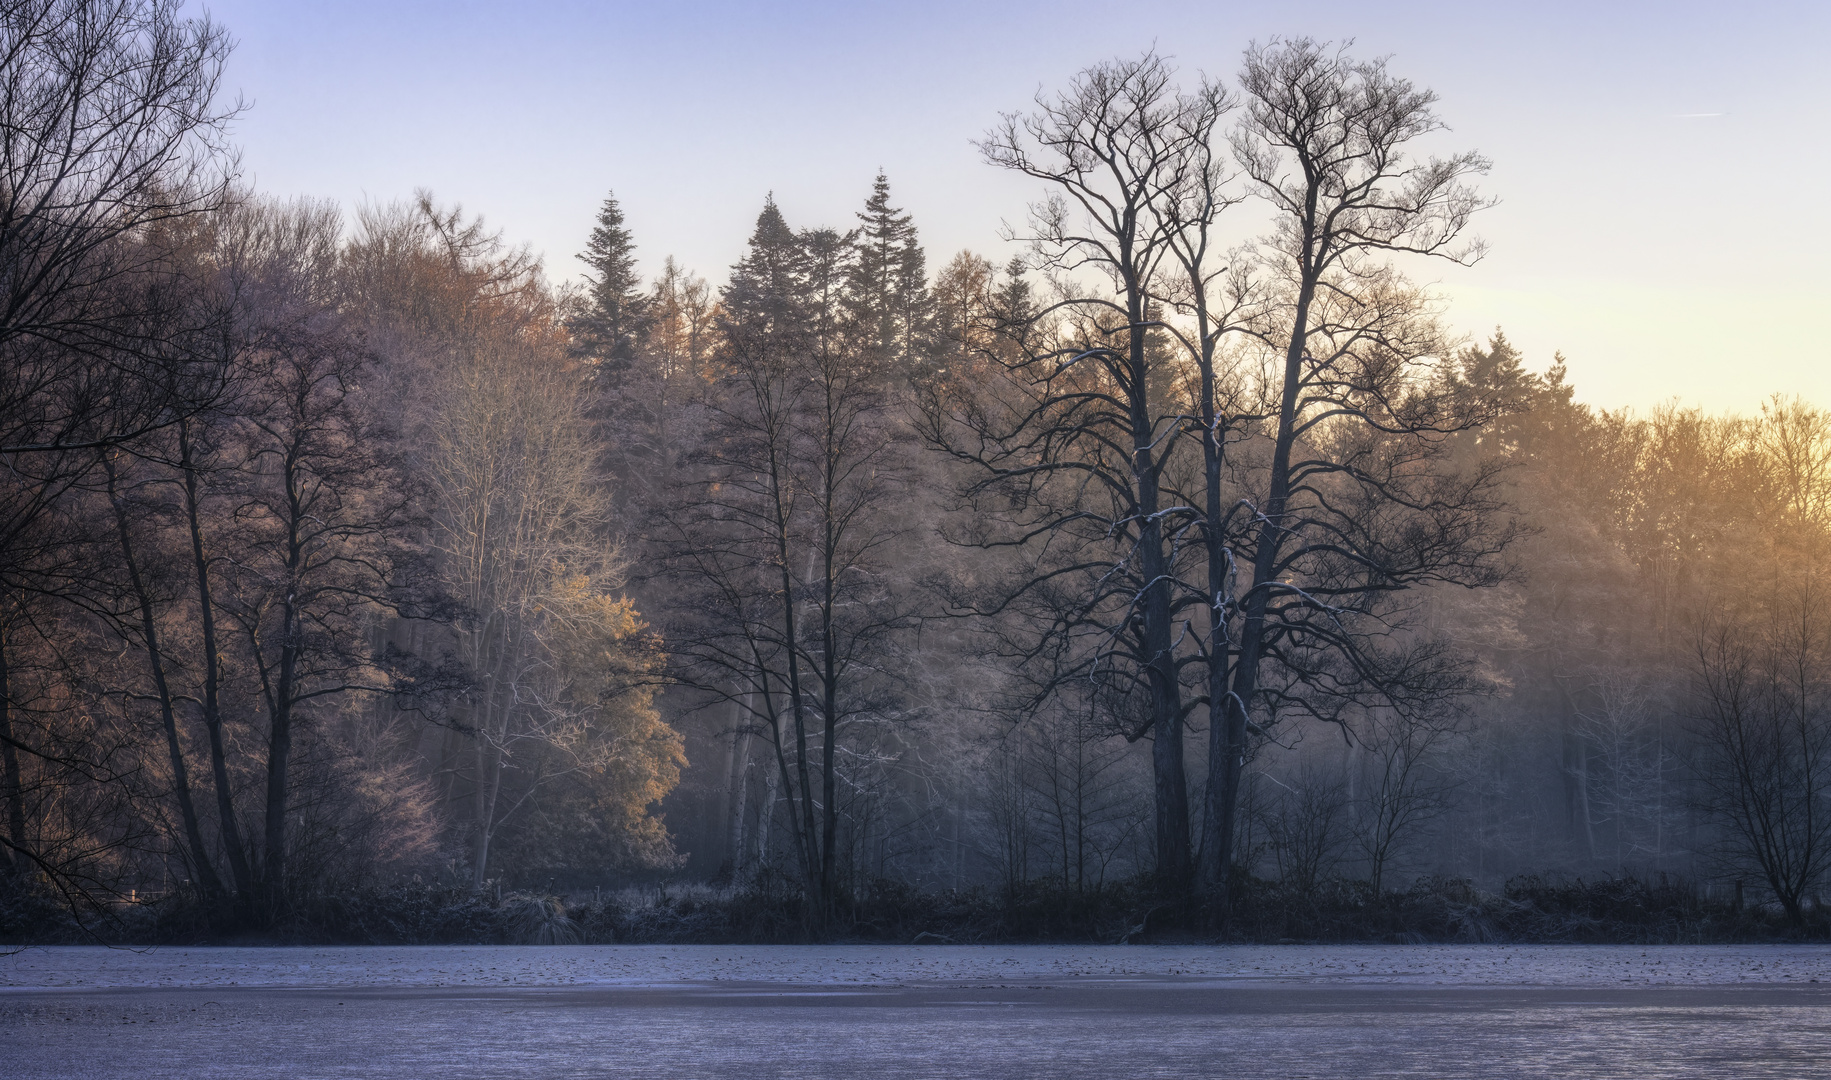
point(521, 525)
point(109, 131)
point(1066, 461)
point(1764, 745)
point(1402, 782)
point(1305, 826)
point(777, 551)
point(1355, 503)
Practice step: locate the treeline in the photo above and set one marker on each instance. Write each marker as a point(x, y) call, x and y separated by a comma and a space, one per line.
point(306, 577)
point(953, 575)
point(1157, 570)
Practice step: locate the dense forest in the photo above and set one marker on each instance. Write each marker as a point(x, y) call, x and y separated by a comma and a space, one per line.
point(1180, 558)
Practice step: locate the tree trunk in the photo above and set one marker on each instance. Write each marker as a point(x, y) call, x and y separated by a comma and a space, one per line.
point(738, 789)
point(767, 815)
point(279, 761)
point(1170, 783)
point(9, 757)
point(181, 784)
point(212, 682)
point(280, 700)
point(804, 822)
point(1227, 742)
point(829, 824)
point(1226, 721)
point(483, 807)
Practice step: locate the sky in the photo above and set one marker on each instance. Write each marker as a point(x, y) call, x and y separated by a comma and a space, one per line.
point(1662, 168)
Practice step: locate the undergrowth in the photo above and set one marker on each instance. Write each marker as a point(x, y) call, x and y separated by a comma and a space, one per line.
point(1530, 909)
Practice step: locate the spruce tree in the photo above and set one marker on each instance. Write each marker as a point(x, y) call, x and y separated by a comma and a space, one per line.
point(878, 287)
point(764, 303)
point(914, 306)
point(615, 312)
point(1013, 302)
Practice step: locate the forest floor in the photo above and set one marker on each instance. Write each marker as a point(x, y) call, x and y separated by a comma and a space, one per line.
point(889, 1012)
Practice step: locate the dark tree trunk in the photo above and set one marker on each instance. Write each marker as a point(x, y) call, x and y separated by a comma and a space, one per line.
point(279, 760)
point(149, 631)
point(282, 693)
point(1227, 741)
point(9, 756)
point(811, 857)
point(1170, 781)
point(212, 682)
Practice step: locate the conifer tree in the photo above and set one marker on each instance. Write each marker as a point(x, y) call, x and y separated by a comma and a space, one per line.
point(615, 311)
point(763, 302)
point(887, 268)
point(915, 305)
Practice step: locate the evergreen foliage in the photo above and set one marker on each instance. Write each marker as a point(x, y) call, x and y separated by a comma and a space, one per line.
point(887, 300)
point(763, 302)
point(615, 311)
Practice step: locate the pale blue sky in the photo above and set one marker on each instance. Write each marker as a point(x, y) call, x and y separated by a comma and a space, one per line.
point(1666, 253)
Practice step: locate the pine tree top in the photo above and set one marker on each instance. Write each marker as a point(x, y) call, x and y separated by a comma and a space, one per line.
point(616, 305)
point(610, 253)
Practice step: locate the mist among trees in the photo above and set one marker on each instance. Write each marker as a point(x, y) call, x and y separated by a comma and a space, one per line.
point(1179, 548)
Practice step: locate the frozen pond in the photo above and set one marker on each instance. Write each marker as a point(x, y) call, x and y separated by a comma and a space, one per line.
point(922, 1011)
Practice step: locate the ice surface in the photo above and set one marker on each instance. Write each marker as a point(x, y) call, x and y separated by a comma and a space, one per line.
point(479, 966)
point(917, 1012)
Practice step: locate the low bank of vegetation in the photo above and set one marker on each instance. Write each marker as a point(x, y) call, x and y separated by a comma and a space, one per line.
point(1528, 910)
